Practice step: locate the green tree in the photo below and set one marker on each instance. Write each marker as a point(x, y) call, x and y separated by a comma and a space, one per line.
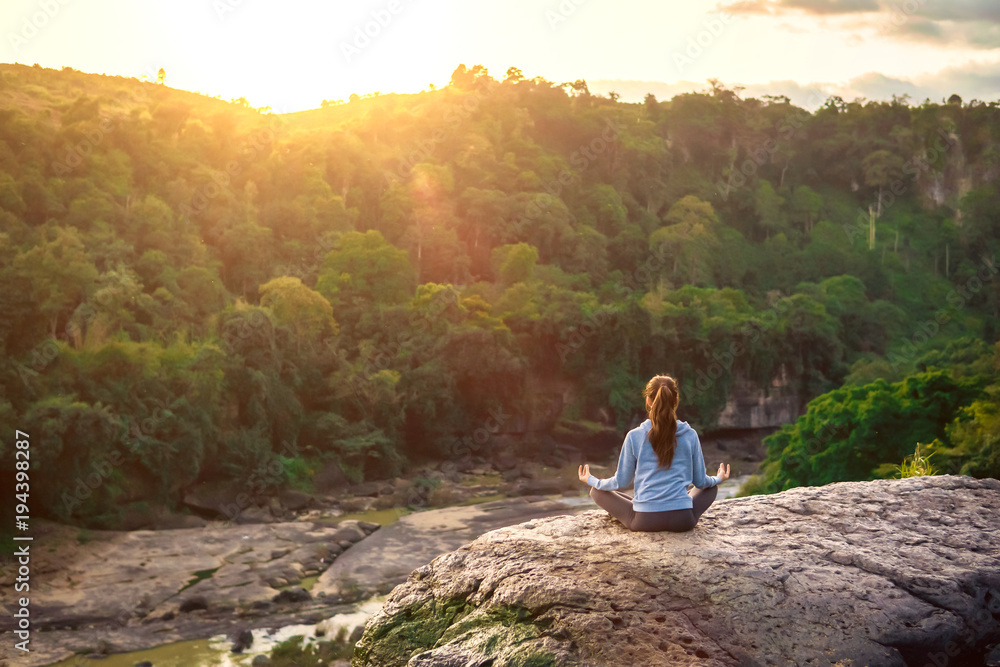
point(303, 310)
point(688, 239)
point(60, 273)
point(806, 204)
point(514, 263)
point(881, 168)
point(364, 269)
point(768, 207)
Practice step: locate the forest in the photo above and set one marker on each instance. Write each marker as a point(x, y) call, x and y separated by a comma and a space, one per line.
point(195, 289)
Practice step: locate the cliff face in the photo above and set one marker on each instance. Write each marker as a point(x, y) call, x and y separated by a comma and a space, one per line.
point(889, 572)
point(748, 407)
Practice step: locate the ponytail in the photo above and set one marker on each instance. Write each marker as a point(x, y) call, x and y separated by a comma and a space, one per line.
point(662, 389)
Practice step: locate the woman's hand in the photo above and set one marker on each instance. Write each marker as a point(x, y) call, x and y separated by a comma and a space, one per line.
point(723, 472)
point(584, 472)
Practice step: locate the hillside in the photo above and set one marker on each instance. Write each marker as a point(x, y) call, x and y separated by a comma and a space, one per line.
point(195, 290)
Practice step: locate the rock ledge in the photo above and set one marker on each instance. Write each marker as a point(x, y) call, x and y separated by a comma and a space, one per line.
point(888, 572)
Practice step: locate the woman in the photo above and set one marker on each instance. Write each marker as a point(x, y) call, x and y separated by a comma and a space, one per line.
point(663, 456)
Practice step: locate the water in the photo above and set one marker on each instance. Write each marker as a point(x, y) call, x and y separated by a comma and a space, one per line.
point(381, 517)
point(214, 651)
point(731, 487)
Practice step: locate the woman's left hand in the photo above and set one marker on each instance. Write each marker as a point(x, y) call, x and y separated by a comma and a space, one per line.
point(584, 472)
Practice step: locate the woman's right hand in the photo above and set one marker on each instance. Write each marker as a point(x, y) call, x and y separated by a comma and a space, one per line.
point(723, 473)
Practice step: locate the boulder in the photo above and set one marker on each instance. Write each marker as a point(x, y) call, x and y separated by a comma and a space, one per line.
point(368, 527)
point(171, 521)
point(330, 478)
point(360, 504)
point(349, 531)
point(254, 514)
point(218, 500)
point(511, 474)
point(294, 594)
point(193, 603)
point(242, 640)
point(505, 461)
point(887, 572)
point(370, 489)
point(294, 500)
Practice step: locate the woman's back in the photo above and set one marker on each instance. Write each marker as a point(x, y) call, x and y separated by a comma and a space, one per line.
point(663, 455)
point(659, 489)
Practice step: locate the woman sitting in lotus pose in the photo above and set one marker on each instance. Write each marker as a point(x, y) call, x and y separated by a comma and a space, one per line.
point(663, 456)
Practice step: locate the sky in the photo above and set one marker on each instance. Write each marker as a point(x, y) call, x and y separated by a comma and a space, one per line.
point(292, 54)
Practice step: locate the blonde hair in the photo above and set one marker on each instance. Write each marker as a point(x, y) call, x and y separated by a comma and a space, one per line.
point(662, 392)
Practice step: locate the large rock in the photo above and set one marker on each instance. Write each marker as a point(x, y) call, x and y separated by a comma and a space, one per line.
point(215, 500)
point(888, 572)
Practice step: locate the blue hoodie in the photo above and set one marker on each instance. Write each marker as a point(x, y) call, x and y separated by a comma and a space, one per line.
point(659, 489)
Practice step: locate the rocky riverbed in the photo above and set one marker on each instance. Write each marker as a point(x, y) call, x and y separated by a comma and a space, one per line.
point(287, 561)
point(126, 591)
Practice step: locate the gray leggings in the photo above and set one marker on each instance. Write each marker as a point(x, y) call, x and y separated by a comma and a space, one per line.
point(676, 521)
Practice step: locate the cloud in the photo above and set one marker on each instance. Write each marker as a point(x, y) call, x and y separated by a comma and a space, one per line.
point(956, 10)
point(874, 86)
point(748, 7)
point(821, 7)
point(941, 33)
point(924, 30)
point(831, 6)
point(974, 81)
point(961, 23)
point(937, 10)
point(808, 96)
